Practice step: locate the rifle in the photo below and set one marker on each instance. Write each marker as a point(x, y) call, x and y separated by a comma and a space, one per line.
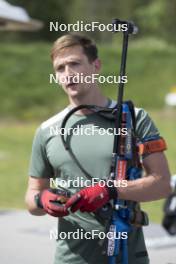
point(124, 151)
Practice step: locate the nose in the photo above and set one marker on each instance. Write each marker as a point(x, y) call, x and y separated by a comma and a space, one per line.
point(69, 71)
point(69, 74)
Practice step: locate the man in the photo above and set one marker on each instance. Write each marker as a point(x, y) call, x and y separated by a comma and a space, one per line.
point(73, 55)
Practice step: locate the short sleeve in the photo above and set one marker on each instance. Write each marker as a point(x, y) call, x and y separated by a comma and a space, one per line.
point(39, 165)
point(145, 128)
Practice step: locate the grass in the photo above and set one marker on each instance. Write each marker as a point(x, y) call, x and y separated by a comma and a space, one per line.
point(16, 140)
point(15, 145)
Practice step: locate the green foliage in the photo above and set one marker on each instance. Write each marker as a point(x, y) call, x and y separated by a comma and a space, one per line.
point(155, 18)
point(102, 12)
point(25, 87)
point(46, 11)
point(169, 21)
point(150, 17)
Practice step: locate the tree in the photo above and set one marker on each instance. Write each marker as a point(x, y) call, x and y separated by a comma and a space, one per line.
point(46, 11)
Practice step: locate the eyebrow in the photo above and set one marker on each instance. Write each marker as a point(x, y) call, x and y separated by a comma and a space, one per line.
point(58, 65)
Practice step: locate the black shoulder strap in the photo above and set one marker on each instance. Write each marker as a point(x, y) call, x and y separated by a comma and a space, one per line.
point(131, 107)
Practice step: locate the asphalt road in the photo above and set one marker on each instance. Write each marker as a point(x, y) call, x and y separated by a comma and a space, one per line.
point(25, 240)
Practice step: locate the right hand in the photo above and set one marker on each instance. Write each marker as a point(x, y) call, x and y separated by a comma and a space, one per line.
point(53, 202)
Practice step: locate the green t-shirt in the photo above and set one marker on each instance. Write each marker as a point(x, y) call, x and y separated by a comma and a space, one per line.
point(49, 159)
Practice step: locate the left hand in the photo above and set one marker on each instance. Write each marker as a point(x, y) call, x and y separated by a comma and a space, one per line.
point(89, 199)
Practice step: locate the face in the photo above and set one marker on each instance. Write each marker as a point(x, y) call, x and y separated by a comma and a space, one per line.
point(72, 62)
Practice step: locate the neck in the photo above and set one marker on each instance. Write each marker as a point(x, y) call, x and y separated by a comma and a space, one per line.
point(92, 98)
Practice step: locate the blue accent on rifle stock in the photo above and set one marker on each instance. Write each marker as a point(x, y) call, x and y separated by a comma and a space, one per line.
point(120, 221)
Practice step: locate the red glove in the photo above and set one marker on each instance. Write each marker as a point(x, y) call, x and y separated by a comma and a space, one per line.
point(91, 198)
point(53, 202)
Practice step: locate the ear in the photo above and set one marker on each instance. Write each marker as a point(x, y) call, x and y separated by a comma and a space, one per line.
point(97, 64)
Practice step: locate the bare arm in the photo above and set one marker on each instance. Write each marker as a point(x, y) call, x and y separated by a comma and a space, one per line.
point(155, 185)
point(35, 185)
